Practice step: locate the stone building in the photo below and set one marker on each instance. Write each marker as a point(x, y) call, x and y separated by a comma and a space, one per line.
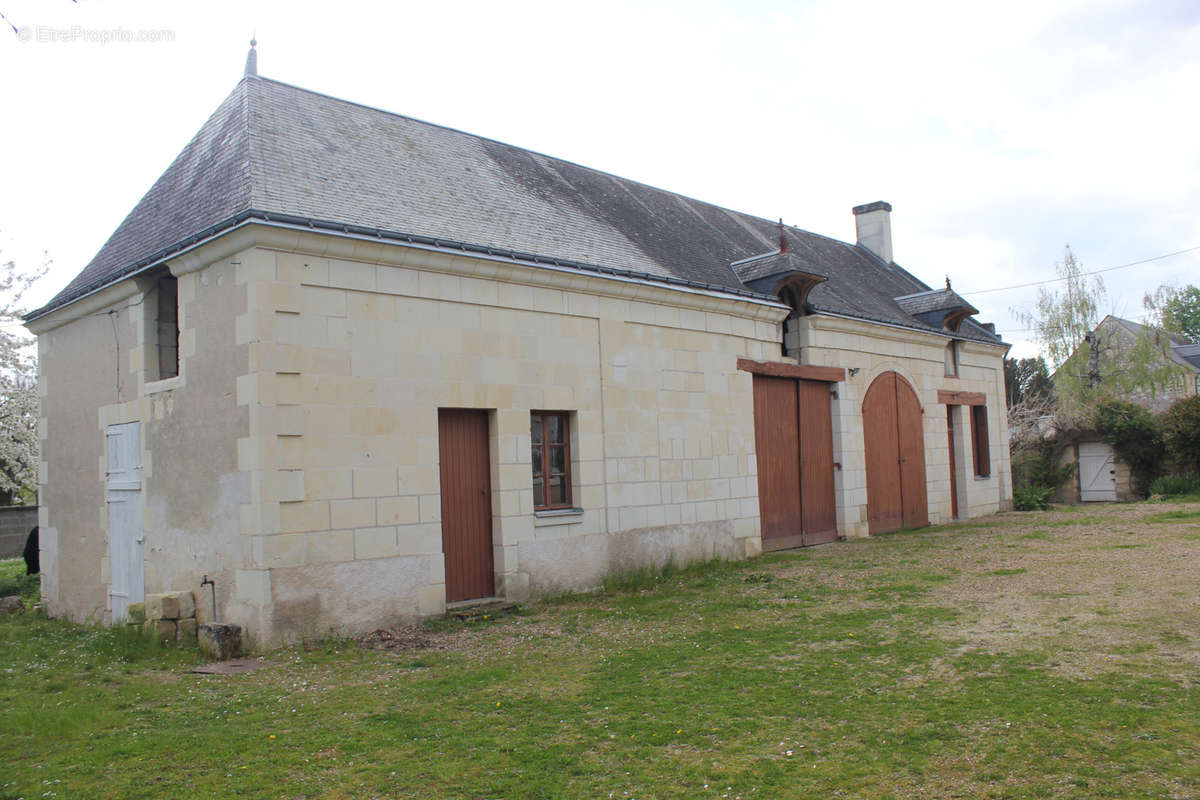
point(1153, 369)
point(355, 367)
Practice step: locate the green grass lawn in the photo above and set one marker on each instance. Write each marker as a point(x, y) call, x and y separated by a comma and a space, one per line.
point(1020, 658)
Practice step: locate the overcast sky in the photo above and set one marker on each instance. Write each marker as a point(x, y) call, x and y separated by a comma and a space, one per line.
point(999, 135)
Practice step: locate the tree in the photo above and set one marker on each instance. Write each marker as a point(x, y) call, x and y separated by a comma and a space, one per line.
point(1175, 310)
point(1181, 432)
point(1094, 362)
point(1062, 320)
point(1026, 379)
point(18, 389)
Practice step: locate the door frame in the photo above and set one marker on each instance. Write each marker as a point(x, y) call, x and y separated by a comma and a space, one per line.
point(468, 554)
point(814, 503)
point(911, 508)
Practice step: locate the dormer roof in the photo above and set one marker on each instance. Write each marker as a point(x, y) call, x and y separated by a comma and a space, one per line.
point(938, 308)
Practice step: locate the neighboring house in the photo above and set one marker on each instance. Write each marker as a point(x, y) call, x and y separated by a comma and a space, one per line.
point(1168, 361)
point(355, 367)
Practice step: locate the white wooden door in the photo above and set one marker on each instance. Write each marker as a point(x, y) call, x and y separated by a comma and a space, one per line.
point(1097, 472)
point(125, 537)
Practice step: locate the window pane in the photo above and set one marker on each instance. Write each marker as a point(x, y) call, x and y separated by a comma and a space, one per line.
point(558, 460)
point(558, 492)
point(555, 428)
point(537, 460)
point(539, 498)
point(536, 427)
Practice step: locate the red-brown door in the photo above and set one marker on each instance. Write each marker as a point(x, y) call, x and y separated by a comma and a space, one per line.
point(466, 504)
point(912, 455)
point(777, 444)
point(816, 463)
point(793, 436)
point(895, 455)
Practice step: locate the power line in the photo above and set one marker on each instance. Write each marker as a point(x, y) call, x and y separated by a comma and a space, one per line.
point(1091, 272)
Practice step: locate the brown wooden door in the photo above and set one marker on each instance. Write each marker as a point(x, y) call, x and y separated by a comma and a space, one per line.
point(466, 504)
point(793, 435)
point(777, 444)
point(816, 463)
point(895, 455)
point(912, 456)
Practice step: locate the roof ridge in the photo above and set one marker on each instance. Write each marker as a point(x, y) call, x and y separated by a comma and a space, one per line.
point(251, 161)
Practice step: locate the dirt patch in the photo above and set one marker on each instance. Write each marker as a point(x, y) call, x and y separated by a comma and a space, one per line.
point(413, 638)
point(1088, 586)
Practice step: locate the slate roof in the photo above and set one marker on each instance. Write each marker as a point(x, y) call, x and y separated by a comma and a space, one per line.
point(933, 307)
point(763, 272)
point(933, 300)
point(1182, 352)
point(272, 149)
point(1189, 353)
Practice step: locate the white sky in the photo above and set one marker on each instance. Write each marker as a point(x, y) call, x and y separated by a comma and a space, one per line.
point(998, 132)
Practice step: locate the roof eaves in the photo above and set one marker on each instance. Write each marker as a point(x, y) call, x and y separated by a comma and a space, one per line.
point(893, 323)
point(329, 226)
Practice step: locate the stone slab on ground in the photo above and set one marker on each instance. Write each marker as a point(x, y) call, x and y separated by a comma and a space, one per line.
point(234, 666)
point(164, 630)
point(135, 613)
point(170, 605)
point(185, 632)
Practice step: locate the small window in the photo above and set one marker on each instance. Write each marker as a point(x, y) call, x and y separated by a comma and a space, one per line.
point(952, 360)
point(979, 440)
point(166, 328)
point(551, 451)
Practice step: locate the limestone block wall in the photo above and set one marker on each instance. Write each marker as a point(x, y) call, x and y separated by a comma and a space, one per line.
point(352, 353)
point(95, 360)
point(83, 366)
point(294, 459)
point(867, 351)
point(192, 487)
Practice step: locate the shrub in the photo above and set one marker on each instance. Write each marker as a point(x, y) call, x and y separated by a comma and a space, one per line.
point(1175, 485)
point(1035, 468)
point(1134, 436)
point(1033, 498)
point(1181, 432)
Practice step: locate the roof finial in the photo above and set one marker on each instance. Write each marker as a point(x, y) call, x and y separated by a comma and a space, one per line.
point(783, 242)
point(948, 283)
point(252, 57)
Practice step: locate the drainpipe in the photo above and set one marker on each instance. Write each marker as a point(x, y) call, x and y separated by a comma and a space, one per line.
point(213, 590)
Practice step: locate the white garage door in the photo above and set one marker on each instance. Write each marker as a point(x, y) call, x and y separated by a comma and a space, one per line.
point(1097, 473)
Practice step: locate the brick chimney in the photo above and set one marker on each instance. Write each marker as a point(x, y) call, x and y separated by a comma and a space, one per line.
point(873, 226)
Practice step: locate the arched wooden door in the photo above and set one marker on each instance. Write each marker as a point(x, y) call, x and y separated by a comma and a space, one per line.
point(895, 450)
